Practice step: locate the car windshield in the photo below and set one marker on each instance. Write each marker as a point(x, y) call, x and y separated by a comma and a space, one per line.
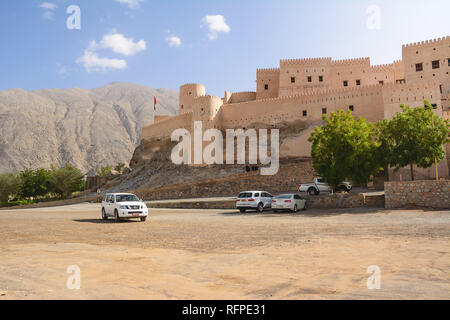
point(245, 195)
point(284, 196)
point(127, 198)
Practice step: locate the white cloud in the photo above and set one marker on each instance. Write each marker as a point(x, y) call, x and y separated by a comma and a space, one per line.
point(120, 44)
point(48, 6)
point(131, 3)
point(49, 10)
point(216, 24)
point(173, 41)
point(92, 62)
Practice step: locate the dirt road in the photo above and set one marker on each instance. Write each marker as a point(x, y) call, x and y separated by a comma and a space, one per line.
point(217, 254)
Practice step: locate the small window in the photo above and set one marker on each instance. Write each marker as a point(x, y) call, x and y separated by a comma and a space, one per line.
point(266, 87)
point(351, 108)
point(309, 79)
point(305, 113)
point(324, 110)
point(381, 82)
point(256, 195)
point(321, 78)
point(292, 79)
point(345, 83)
point(434, 105)
point(358, 82)
point(448, 60)
point(419, 67)
point(435, 64)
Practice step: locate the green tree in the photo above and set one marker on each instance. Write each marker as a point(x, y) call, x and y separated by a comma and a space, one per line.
point(34, 183)
point(415, 136)
point(9, 186)
point(104, 171)
point(345, 148)
point(66, 180)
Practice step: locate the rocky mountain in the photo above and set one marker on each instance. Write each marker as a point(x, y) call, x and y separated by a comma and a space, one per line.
point(87, 128)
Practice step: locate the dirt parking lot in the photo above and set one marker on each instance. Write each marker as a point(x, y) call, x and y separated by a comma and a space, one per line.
point(218, 254)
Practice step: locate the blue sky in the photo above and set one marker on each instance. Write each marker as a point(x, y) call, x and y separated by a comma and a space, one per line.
point(219, 43)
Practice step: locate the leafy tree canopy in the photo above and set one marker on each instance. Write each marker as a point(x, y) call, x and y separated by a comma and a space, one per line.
point(345, 148)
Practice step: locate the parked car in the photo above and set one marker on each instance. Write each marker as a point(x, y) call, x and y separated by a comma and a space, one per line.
point(291, 202)
point(319, 185)
point(123, 206)
point(254, 200)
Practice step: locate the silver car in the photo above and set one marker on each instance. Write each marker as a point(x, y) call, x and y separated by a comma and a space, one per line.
point(254, 200)
point(291, 202)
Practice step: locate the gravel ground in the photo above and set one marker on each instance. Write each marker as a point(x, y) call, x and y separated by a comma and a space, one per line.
point(222, 254)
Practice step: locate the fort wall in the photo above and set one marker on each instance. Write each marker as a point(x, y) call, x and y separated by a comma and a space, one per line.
point(267, 83)
point(418, 60)
point(410, 94)
point(165, 128)
point(242, 97)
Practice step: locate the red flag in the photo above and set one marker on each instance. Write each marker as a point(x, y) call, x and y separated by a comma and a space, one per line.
point(154, 103)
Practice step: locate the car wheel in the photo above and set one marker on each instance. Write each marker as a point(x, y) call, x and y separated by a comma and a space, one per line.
point(242, 210)
point(260, 208)
point(295, 208)
point(104, 216)
point(312, 191)
point(143, 219)
point(116, 216)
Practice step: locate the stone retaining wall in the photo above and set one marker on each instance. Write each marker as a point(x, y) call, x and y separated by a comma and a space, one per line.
point(424, 193)
point(335, 201)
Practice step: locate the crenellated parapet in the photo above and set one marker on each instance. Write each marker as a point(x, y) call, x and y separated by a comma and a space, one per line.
point(352, 62)
point(306, 62)
point(435, 41)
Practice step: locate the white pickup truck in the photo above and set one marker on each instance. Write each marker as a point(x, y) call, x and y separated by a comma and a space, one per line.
point(319, 185)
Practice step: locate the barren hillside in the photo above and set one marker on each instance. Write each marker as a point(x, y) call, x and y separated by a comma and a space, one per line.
point(87, 128)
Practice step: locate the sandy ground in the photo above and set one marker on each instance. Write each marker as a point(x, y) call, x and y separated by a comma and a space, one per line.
point(217, 254)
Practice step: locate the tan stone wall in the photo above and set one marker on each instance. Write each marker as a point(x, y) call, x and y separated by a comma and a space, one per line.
point(166, 127)
point(270, 77)
point(412, 94)
point(238, 97)
point(160, 118)
point(367, 102)
point(425, 52)
point(312, 202)
point(430, 194)
point(295, 73)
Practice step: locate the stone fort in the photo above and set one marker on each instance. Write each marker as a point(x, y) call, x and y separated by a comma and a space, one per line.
point(305, 89)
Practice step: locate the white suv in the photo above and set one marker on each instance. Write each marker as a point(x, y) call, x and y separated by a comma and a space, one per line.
point(254, 200)
point(123, 206)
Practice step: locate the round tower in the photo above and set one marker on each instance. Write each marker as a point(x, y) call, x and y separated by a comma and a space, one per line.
point(188, 93)
point(206, 109)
